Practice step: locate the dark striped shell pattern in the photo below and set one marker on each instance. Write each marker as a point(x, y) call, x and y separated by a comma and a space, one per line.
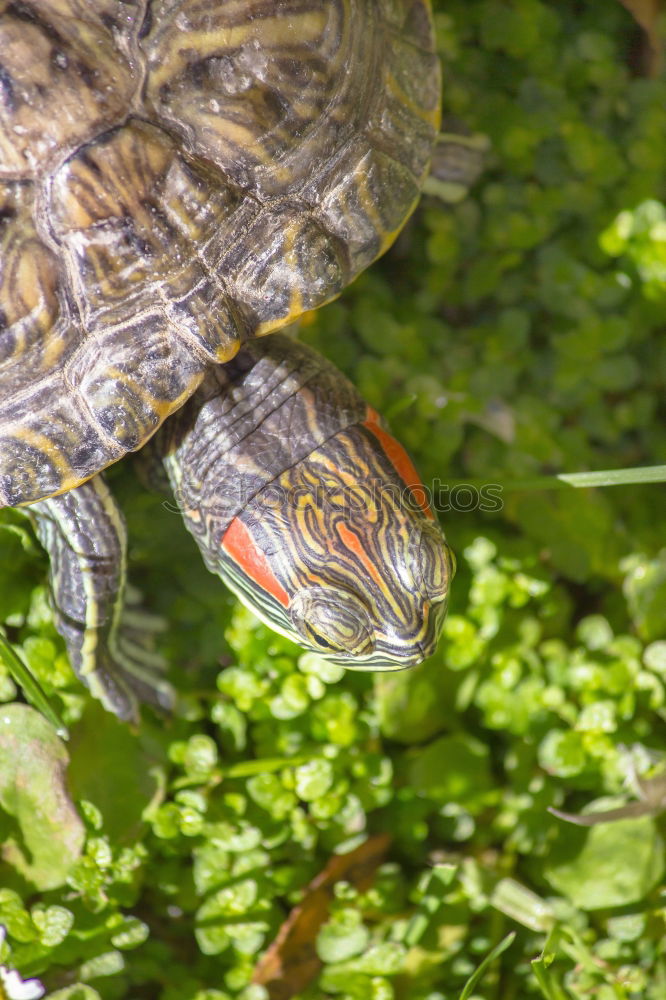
point(177, 177)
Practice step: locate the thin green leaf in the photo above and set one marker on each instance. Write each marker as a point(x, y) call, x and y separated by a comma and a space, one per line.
point(31, 687)
point(247, 768)
point(638, 475)
point(243, 769)
point(400, 405)
point(549, 987)
point(488, 960)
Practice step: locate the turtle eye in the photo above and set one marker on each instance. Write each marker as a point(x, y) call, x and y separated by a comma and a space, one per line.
point(333, 621)
point(319, 639)
point(308, 631)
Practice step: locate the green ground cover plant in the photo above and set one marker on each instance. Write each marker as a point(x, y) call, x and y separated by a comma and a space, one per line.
point(514, 335)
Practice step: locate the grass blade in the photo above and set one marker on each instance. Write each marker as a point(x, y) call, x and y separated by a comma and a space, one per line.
point(30, 686)
point(638, 475)
point(488, 960)
point(540, 967)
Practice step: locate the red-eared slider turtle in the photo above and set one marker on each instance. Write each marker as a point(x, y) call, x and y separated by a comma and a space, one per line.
point(178, 178)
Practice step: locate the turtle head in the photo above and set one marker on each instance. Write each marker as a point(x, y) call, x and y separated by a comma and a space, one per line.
point(343, 555)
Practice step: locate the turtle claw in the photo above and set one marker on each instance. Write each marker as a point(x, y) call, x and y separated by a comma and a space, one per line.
point(109, 637)
point(140, 666)
point(124, 669)
point(126, 675)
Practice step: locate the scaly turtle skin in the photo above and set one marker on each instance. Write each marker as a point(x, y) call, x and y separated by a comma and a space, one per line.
point(177, 178)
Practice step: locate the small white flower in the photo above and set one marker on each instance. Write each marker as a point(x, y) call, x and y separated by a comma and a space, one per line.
point(12, 987)
point(15, 988)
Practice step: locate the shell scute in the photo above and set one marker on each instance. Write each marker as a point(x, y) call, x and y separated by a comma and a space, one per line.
point(128, 392)
point(355, 208)
point(242, 80)
point(295, 265)
point(49, 443)
point(412, 76)
point(132, 220)
point(32, 342)
point(28, 271)
point(65, 78)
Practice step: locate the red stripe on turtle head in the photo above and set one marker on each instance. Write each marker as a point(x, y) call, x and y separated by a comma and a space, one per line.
point(400, 460)
point(351, 541)
point(240, 546)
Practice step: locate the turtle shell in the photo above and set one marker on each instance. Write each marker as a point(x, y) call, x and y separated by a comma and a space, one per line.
point(176, 177)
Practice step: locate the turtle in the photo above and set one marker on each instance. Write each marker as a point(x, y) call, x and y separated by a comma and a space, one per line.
point(178, 179)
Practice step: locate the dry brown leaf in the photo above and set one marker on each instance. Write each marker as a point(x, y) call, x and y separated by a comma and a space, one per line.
point(291, 962)
point(646, 13)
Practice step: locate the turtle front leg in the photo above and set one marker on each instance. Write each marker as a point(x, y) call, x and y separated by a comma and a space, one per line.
point(84, 533)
